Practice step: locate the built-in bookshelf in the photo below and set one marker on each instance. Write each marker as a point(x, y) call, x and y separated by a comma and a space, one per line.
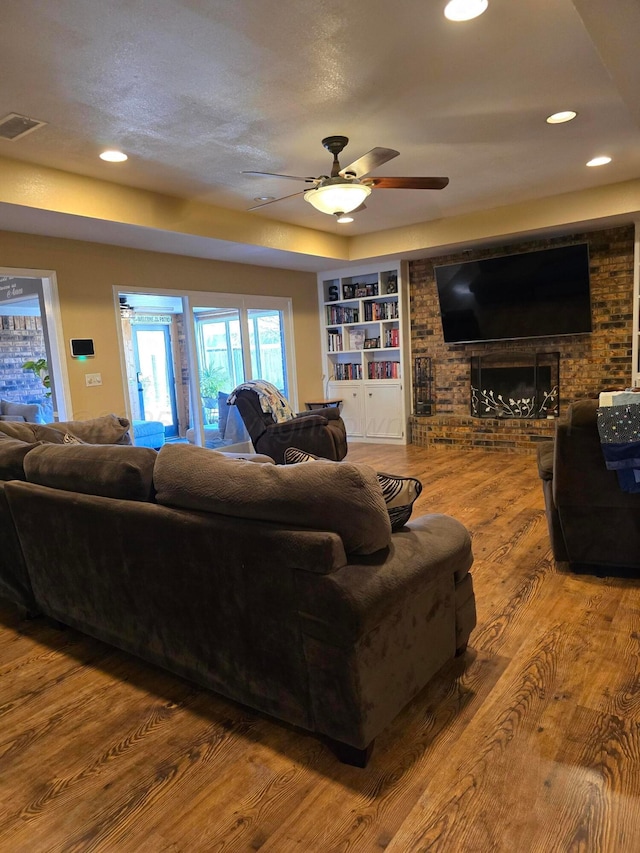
point(365, 337)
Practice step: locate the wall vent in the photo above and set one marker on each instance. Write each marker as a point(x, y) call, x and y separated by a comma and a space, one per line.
point(15, 126)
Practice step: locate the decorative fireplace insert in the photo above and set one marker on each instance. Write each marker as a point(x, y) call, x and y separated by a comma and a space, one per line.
point(515, 385)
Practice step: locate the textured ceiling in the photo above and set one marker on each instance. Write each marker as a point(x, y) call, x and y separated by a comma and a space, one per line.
point(195, 91)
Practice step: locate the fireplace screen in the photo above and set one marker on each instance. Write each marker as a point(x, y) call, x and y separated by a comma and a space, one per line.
point(515, 385)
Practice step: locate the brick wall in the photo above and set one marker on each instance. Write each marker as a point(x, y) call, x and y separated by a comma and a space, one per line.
point(21, 339)
point(588, 363)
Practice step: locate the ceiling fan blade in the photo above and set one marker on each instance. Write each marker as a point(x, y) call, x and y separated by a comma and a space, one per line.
point(369, 161)
point(276, 175)
point(408, 183)
point(274, 200)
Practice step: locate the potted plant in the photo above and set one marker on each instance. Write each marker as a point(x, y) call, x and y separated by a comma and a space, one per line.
point(40, 368)
point(211, 381)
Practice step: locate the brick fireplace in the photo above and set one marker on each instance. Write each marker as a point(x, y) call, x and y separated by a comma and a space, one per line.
point(587, 363)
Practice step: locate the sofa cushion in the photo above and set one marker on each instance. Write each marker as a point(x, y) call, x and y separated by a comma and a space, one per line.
point(223, 412)
point(30, 412)
point(400, 493)
point(107, 470)
point(107, 429)
point(31, 433)
point(344, 498)
point(12, 453)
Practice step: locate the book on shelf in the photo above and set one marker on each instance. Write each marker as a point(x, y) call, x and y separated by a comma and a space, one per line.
point(347, 371)
point(381, 310)
point(341, 314)
point(334, 340)
point(392, 338)
point(384, 370)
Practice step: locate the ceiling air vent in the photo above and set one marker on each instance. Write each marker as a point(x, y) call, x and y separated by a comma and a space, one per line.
point(15, 126)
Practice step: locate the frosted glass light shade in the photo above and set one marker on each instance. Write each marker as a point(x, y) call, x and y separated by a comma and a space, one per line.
point(112, 156)
point(465, 10)
point(342, 197)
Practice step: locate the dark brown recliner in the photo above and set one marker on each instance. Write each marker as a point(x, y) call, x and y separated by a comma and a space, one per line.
point(592, 522)
point(321, 432)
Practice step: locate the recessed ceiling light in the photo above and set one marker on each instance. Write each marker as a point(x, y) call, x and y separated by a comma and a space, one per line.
point(599, 161)
point(113, 156)
point(344, 218)
point(561, 117)
point(265, 198)
point(465, 10)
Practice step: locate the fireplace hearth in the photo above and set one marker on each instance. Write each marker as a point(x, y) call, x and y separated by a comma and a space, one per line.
point(515, 385)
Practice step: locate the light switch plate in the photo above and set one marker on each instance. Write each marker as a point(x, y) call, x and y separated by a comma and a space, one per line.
point(93, 379)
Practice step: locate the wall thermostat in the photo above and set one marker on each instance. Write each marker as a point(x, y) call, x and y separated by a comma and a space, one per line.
point(82, 347)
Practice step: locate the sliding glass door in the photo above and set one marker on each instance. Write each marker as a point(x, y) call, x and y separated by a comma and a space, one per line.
point(220, 367)
point(267, 344)
point(236, 339)
point(217, 342)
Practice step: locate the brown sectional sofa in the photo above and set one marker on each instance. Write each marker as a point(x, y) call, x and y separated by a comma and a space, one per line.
point(280, 587)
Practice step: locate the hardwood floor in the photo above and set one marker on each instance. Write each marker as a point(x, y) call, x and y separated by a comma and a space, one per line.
point(531, 742)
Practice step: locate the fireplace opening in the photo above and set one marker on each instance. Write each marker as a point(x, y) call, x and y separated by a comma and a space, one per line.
point(515, 385)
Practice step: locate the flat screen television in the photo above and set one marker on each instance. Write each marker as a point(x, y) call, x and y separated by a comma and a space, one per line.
point(526, 295)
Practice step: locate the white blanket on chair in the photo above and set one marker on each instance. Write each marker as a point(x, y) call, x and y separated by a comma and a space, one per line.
point(271, 400)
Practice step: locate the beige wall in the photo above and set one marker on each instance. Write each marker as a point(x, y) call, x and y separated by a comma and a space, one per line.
point(86, 273)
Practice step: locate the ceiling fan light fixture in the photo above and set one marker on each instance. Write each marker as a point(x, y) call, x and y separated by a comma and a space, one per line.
point(465, 10)
point(599, 161)
point(343, 218)
point(337, 198)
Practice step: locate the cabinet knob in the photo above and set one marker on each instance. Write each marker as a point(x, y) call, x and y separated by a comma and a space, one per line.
point(371, 393)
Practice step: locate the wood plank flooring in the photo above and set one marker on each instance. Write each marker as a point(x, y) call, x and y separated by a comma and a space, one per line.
point(531, 742)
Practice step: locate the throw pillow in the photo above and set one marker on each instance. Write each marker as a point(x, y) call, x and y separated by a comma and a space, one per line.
point(72, 439)
point(400, 493)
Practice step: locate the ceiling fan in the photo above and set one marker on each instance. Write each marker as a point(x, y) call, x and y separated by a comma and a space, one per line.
point(345, 190)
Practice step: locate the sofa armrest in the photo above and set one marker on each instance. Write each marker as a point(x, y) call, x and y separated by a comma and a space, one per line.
point(298, 425)
point(344, 605)
point(545, 454)
point(580, 476)
point(329, 413)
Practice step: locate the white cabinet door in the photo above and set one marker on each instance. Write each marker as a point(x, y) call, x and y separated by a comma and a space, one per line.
point(351, 396)
point(383, 410)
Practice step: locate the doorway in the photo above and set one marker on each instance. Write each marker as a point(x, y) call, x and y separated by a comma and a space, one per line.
point(34, 368)
point(155, 376)
point(183, 354)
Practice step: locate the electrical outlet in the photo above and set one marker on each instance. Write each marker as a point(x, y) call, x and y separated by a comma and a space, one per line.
point(93, 379)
